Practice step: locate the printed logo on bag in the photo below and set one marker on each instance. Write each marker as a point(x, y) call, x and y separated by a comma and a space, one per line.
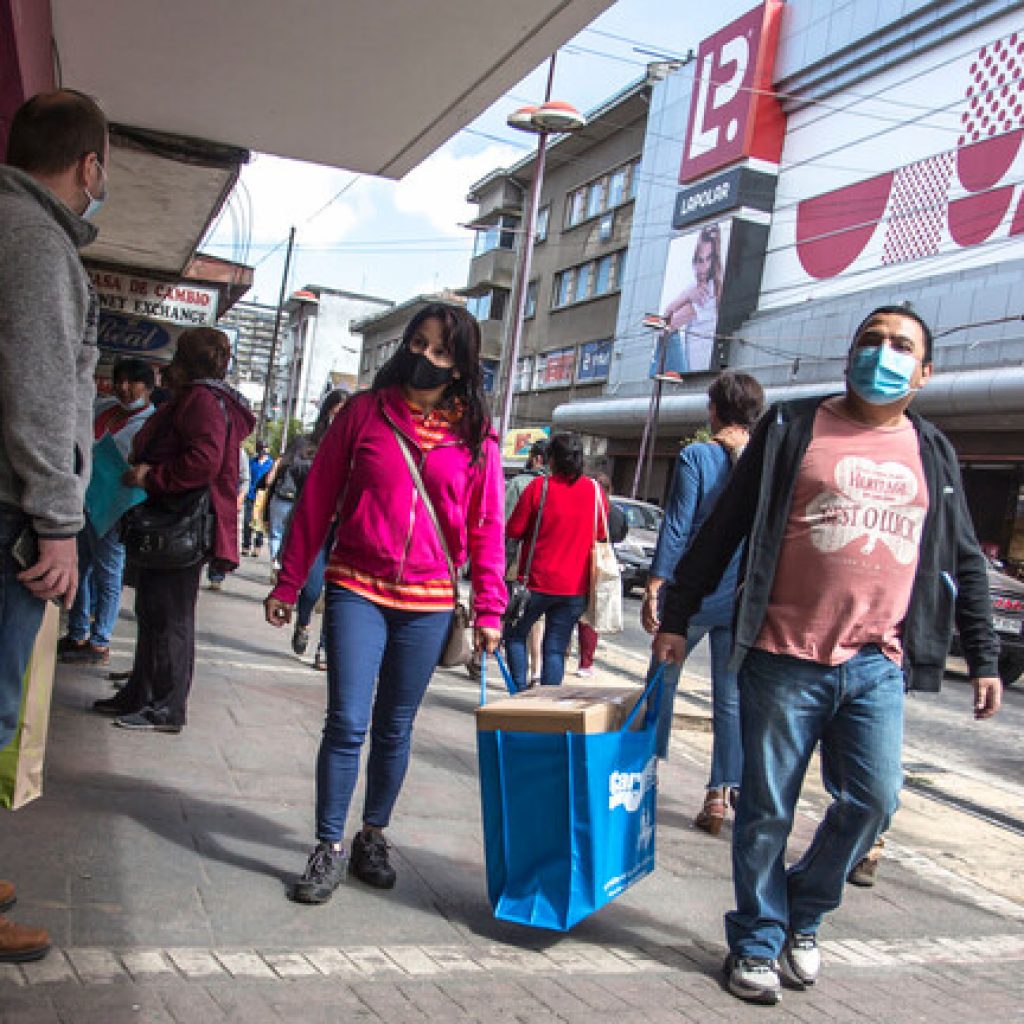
point(628, 789)
point(646, 834)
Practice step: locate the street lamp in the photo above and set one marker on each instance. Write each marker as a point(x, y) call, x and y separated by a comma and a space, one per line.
point(552, 117)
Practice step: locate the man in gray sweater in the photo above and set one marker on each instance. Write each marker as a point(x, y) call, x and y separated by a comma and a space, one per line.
point(54, 179)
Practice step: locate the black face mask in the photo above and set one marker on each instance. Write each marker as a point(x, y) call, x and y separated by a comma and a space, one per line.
point(420, 374)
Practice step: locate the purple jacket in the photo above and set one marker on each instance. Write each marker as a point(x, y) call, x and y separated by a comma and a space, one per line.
point(360, 475)
point(191, 442)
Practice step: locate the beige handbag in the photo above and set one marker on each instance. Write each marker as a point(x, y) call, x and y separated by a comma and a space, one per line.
point(604, 607)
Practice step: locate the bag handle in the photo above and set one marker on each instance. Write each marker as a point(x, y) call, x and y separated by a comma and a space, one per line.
point(599, 514)
point(510, 683)
point(536, 530)
point(429, 505)
point(651, 697)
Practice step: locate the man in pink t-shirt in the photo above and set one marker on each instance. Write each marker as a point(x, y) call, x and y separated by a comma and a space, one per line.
point(860, 552)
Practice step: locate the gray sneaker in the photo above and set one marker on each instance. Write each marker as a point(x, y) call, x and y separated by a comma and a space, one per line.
point(753, 979)
point(324, 871)
point(800, 961)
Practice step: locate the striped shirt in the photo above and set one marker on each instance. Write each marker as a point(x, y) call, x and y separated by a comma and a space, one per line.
point(428, 595)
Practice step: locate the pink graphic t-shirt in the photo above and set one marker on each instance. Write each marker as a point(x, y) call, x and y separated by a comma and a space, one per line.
point(850, 549)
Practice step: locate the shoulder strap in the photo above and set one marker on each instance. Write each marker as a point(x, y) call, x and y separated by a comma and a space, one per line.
point(428, 504)
point(599, 512)
point(536, 529)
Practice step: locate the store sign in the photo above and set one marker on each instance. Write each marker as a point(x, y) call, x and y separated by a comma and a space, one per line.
point(738, 187)
point(733, 111)
point(136, 336)
point(938, 210)
point(554, 369)
point(595, 360)
point(142, 297)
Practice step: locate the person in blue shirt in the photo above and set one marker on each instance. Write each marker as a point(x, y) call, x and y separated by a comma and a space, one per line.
point(735, 403)
point(259, 466)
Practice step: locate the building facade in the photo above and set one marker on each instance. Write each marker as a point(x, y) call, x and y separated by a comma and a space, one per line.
point(584, 224)
point(871, 155)
point(253, 323)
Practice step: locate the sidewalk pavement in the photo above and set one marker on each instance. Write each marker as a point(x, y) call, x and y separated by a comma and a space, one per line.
point(159, 864)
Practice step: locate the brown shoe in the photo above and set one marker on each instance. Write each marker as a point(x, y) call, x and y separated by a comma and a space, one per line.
point(865, 871)
point(712, 814)
point(19, 945)
point(7, 896)
point(86, 654)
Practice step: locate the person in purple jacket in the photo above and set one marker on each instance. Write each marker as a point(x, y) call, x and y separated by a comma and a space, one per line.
point(390, 573)
point(190, 442)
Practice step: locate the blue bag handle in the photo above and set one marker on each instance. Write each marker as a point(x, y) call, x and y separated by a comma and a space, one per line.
point(651, 697)
point(510, 683)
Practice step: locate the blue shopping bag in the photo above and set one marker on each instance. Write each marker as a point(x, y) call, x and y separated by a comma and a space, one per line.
point(568, 817)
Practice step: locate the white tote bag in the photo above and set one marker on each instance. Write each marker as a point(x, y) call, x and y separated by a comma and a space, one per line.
point(604, 609)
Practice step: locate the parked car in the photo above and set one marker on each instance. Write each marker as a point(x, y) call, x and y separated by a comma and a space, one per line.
point(637, 549)
point(1008, 620)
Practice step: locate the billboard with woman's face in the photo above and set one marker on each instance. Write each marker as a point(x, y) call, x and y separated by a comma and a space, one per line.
point(690, 300)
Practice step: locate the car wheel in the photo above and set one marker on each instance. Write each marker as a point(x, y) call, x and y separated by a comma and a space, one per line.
point(1011, 666)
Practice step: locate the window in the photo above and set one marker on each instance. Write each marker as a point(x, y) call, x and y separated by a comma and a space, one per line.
point(501, 235)
point(488, 306)
point(606, 228)
point(489, 374)
point(530, 309)
point(524, 374)
point(565, 287)
point(601, 194)
point(583, 276)
point(543, 218)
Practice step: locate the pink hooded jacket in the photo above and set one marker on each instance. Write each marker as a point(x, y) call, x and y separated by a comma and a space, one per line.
point(360, 475)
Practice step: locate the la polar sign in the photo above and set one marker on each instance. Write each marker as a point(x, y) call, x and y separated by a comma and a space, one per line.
point(178, 303)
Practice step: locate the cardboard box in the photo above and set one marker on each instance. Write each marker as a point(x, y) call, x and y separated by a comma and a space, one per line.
point(573, 708)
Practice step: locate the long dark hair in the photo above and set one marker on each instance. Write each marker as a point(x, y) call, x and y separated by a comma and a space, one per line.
point(462, 334)
point(565, 457)
point(339, 396)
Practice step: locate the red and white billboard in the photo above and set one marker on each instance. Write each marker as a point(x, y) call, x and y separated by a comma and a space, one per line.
point(917, 175)
point(734, 114)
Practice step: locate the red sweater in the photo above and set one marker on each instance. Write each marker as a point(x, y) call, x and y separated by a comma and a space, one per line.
point(561, 561)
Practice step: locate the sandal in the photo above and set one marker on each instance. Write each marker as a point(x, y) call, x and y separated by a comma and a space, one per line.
point(712, 814)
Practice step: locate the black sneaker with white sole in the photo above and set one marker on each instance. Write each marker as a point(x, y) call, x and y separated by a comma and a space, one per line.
point(324, 872)
point(800, 961)
point(369, 862)
point(753, 979)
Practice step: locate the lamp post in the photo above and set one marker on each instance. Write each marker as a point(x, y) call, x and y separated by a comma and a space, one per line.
point(552, 117)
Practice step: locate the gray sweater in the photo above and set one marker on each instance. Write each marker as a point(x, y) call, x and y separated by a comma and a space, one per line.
point(48, 320)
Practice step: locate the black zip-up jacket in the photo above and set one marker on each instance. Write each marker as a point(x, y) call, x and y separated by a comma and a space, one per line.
point(951, 576)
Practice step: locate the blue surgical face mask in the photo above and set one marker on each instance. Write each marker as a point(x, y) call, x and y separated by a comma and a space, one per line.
point(136, 405)
point(879, 374)
point(97, 201)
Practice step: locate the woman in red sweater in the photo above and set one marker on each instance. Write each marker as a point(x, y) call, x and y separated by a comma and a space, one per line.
point(557, 519)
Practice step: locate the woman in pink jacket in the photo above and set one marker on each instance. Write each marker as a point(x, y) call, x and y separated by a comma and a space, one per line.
point(389, 592)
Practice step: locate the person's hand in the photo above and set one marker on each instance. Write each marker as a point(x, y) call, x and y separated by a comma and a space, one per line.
point(277, 612)
point(55, 573)
point(988, 695)
point(669, 647)
point(136, 475)
point(486, 638)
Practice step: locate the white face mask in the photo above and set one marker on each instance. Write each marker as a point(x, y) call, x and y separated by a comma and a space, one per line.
point(97, 201)
point(139, 403)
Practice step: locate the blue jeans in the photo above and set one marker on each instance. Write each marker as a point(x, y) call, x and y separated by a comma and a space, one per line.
point(787, 705)
point(313, 587)
point(100, 573)
point(277, 518)
point(380, 661)
point(726, 745)
point(560, 617)
point(20, 617)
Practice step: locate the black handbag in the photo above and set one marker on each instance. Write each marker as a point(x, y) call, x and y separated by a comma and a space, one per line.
point(518, 591)
point(170, 532)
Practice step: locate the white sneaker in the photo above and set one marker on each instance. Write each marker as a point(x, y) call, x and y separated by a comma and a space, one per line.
point(753, 979)
point(801, 960)
point(585, 673)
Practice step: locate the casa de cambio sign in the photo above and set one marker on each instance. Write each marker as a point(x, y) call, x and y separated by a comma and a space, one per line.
point(187, 304)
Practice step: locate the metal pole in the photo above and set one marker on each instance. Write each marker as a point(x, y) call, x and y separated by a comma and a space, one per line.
point(523, 283)
point(653, 409)
point(268, 383)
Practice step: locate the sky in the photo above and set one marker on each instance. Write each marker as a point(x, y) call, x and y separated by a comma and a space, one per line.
point(399, 239)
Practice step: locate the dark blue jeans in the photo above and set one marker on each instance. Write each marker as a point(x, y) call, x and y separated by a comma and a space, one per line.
point(100, 573)
point(20, 617)
point(561, 613)
point(313, 587)
point(380, 661)
point(787, 705)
